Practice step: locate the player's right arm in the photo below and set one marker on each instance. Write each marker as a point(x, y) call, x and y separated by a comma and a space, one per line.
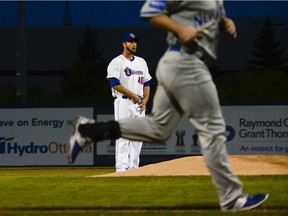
point(120, 88)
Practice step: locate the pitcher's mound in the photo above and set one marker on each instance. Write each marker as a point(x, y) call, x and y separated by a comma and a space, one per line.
point(194, 165)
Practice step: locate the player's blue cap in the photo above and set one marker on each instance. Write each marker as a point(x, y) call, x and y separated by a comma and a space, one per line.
point(129, 37)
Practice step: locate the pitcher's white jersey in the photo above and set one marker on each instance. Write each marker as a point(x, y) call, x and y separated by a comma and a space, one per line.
point(132, 74)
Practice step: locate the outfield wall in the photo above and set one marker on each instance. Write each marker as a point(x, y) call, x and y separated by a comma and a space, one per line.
point(39, 136)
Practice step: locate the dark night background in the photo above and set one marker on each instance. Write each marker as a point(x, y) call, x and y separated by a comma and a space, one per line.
point(59, 50)
point(118, 13)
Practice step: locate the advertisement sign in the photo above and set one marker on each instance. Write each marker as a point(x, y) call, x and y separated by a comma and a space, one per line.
point(39, 136)
point(250, 130)
point(257, 130)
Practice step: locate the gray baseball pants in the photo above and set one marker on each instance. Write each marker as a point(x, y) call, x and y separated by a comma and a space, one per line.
point(185, 87)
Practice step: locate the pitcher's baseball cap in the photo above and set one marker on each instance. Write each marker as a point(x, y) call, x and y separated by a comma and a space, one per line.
point(129, 37)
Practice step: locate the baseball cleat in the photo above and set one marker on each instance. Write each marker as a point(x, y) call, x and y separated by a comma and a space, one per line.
point(247, 202)
point(77, 142)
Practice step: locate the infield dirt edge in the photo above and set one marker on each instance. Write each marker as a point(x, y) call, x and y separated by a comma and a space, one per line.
point(195, 166)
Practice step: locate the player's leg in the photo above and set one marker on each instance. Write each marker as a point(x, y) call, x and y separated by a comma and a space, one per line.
point(211, 132)
point(121, 144)
point(210, 127)
point(135, 146)
point(199, 101)
point(121, 154)
point(134, 154)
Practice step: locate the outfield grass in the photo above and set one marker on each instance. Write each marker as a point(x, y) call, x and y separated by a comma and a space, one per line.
point(58, 192)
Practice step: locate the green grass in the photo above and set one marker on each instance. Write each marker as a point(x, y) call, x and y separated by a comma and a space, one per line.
point(58, 192)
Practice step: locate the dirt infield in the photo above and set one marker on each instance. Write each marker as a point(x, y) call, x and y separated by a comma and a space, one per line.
point(194, 165)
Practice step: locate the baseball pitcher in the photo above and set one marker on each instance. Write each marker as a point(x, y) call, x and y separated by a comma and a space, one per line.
point(129, 79)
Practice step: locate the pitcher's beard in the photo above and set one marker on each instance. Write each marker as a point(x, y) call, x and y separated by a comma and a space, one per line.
point(131, 51)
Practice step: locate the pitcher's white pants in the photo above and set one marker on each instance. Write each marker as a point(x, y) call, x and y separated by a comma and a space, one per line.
point(127, 152)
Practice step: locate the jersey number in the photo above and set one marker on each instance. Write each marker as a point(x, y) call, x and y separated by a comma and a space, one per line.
point(140, 80)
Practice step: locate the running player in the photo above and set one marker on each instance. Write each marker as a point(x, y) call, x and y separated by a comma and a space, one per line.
point(130, 81)
point(185, 87)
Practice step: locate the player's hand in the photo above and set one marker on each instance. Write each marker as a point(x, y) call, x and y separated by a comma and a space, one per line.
point(187, 34)
point(141, 109)
point(142, 105)
point(136, 99)
point(229, 26)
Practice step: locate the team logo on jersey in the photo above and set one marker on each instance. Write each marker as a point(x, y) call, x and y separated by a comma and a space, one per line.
point(130, 72)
